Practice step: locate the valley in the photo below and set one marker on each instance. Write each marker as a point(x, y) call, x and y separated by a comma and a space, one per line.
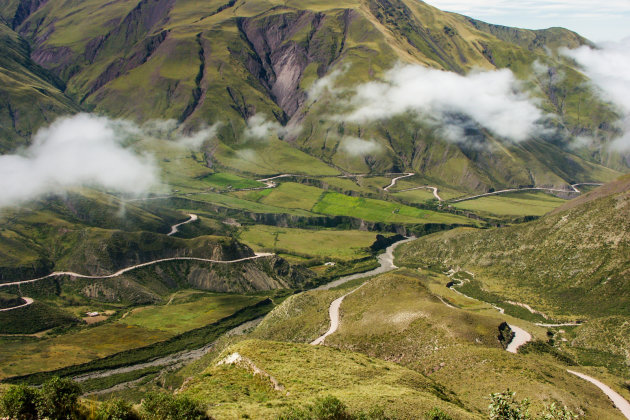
point(366, 209)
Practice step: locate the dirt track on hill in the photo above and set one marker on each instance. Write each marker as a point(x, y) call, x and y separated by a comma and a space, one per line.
point(386, 261)
point(620, 402)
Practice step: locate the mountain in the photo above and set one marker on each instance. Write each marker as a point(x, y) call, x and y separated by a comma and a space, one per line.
point(571, 261)
point(31, 96)
point(227, 61)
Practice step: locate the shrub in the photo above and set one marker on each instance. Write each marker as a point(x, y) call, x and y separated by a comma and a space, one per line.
point(116, 409)
point(58, 399)
point(162, 406)
point(437, 414)
point(331, 408)
point(504, 406)
point(554, 412)
point(19, 403)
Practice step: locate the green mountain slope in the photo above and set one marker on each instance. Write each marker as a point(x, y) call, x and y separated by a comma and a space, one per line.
point(30, 96)
point(573, 261)
point(224, 61)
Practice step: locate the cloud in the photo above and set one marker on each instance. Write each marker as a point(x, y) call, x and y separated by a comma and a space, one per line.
point(358, 147)
point(492, 99)
point(607, 67)
point(260, 128)
point(326, 84)
point(82, 150)
point(171, 130)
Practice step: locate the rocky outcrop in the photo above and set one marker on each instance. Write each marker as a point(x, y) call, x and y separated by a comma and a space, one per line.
point(284, 44)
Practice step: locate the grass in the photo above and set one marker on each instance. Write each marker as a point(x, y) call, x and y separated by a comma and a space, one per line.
point(178, 317)
point(141, 327)
point(232, 181)
point(307, 372)
point(328, 244)
point(517, 204)
point(192, 339)
point(382, 211)
point(293, 196)
point(397, 317)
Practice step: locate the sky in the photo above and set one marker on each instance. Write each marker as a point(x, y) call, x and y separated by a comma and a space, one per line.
point(598, 21)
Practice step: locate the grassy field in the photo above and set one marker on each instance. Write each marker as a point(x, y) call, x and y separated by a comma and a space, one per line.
point(382, 211)
point(293, 196)
point(330, 244)
point(516, 204)
point(140, 327)
point(227, 180)
point(188, 310)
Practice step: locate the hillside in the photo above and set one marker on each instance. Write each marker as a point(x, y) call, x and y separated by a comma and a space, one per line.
point(185, 61)
point(30, 95)
point(572, 261)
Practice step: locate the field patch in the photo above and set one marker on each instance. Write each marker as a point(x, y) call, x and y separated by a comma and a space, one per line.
point(334, 244)
point(200, 309)
point(293, 196)
point(382, 211)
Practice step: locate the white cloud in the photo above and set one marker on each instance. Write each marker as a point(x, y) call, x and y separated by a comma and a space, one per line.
point(171, 130)
point(326, 83)
point(607, 67)
point(260, 128)
point(358, 147)
point(492, 99)
point(82, 150)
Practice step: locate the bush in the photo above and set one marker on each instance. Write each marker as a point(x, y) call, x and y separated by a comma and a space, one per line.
point(554, 412)
point(504, 406)
point(162, 406)
point(58, 399)
point(437, 414)
point(116, 409)
point(19, 403)
point(330, 408)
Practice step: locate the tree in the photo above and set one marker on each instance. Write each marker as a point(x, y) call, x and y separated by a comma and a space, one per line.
point(19, 403)
point(58, 399)
point(162, 406)
point(116, 409)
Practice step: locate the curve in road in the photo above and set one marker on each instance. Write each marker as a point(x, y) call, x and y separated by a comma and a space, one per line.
point(573, 190)
point(520, 337)
point(28, 301)
point(386, 261)
point(620, 402)
point(134, 267)
point(426, 187)
point(175, 228)
point(394, 180)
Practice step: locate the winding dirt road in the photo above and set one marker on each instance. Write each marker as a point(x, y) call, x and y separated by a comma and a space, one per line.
point(175, 228)
point(28, 301)
point(386, 261)
point(426, 187)
point(573, 190)
point(620, 402)
point(520, 337)
point(134, 267)
point(393, 183)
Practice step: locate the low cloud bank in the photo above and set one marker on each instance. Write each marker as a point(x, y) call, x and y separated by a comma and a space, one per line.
point(607, 67)
point(358, 147)
point(491, 99)
point(82, 150)
point(171, 130)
